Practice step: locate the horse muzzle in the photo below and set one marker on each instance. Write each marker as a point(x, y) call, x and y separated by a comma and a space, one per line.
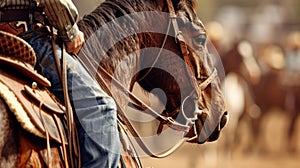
point(205, 129)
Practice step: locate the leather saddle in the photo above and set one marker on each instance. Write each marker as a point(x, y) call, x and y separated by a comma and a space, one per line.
point(34, 106)
point(25, 91)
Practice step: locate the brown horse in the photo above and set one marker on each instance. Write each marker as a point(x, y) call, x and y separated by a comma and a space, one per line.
point(270, 93)
point(158, 44)
point(240, 69)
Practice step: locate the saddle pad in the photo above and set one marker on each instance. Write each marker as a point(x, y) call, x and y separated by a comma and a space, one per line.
point(14, 46)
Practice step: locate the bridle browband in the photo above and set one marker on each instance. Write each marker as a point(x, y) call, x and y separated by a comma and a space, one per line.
point(164, 120)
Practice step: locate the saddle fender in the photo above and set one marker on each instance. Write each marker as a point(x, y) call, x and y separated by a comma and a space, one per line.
point(34, 107)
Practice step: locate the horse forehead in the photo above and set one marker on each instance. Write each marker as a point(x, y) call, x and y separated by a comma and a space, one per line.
point(191, 21)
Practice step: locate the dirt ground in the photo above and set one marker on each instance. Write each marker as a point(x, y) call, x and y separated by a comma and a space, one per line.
point(209, 155)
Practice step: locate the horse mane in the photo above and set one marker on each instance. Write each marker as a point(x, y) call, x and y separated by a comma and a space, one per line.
point(112, 31)
point(106, 27)
point(108, 11)
point(104, 24)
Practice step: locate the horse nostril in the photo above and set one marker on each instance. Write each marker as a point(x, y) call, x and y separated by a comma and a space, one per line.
point(224, 120)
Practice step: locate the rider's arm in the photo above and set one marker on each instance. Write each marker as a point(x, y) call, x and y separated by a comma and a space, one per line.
point(62, 14)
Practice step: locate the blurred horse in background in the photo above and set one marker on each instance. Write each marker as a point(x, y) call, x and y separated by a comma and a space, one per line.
point(258, 79)
point(265, 94)
point(240, 67)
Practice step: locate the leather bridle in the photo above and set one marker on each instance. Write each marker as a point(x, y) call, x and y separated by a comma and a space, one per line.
point(164, 120)
point(197, 85)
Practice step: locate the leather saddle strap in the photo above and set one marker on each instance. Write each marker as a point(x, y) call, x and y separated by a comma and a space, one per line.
point(66, 109)
point(71, 129)
point(49, 158)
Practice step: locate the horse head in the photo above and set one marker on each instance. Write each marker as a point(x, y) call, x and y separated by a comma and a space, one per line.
point(158, 44)
point(184, 72)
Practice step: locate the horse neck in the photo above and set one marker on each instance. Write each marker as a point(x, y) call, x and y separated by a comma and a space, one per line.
point(109, 30)
point(121, 58)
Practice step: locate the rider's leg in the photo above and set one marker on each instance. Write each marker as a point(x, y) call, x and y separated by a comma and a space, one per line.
point(96, 111)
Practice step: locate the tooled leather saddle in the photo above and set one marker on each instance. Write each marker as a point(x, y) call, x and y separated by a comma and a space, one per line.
point(25, 91)
point(34, 106)
point(17, 59)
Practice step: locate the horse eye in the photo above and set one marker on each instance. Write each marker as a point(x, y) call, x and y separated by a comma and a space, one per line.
point(200, 39)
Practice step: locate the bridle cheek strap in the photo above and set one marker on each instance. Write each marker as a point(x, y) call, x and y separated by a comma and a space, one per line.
point(198, 86)
point(183, 48)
